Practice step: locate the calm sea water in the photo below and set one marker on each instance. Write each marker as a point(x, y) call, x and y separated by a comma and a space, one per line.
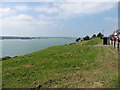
point(22, 47)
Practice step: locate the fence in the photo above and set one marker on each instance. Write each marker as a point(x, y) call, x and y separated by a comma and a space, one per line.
point(115, 43)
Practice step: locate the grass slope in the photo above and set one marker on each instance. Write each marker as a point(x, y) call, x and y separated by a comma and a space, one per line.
point(78, 65)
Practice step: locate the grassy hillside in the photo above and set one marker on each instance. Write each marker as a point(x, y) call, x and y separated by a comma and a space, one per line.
point(80, 65)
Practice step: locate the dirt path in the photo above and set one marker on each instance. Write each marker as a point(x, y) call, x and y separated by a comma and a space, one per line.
point(103, 74)
point(102, 45)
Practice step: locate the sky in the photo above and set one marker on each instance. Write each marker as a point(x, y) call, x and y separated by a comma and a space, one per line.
point(58, 19)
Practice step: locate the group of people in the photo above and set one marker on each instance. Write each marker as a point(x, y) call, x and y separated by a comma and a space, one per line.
point(114, 38)
point(115, 41)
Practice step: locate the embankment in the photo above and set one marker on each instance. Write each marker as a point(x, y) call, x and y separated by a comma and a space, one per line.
point(80, 65)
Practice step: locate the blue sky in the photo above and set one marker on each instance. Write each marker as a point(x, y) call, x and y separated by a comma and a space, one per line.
point(58, 19)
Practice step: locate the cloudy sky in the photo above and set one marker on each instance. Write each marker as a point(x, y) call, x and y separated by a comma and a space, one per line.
point(59, 19)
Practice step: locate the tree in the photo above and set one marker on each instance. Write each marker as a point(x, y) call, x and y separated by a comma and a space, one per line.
point(100, 35)
point(78, 39)
point(86, 38)
point(94, 36)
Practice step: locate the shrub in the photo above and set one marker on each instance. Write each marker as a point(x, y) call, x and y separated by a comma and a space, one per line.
point(78, 39)
point(6, 58)
point(86, 38)
point(100, 35)
point(94, 36)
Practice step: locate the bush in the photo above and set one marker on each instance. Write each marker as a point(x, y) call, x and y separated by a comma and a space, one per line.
point(100, 35)
point(6, 58)
point(94, 36)
point(77, 40)
point(86, 38)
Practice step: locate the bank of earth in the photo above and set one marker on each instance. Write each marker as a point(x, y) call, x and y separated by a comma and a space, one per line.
point(79, 65)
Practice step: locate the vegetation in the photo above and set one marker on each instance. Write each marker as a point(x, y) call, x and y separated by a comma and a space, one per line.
point(13, 37)
point(94, 36)
point(6, 58)
point(78, 39)
point(100, 35)
point(86, 38)
point(80, 65)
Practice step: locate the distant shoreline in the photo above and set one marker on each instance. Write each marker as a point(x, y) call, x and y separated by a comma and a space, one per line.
point(22, 38)
point(34, 51)
point(30, 40)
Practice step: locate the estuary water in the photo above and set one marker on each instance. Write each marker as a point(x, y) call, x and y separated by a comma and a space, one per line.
point(16, 47)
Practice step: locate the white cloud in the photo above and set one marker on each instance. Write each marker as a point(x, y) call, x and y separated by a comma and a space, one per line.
point(46, 9)
point(6, 12)
point(69, 9)
point(82, 8)
point(22, 7)
point(85, 0)
point(60, 0)
point(23, 17)
point(63, 10)
point(23, 23)
point(111, 19)
point(45, 17)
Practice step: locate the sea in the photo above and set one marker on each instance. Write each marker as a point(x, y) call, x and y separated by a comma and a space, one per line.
point(17, 47)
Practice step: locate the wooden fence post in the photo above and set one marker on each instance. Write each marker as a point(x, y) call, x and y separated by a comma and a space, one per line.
point(118, 44)
point(114, 43)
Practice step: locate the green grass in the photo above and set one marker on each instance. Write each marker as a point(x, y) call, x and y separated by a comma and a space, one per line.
point(50, 65)
point(93, 42)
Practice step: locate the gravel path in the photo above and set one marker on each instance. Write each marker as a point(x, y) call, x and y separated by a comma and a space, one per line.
point(102, 45)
